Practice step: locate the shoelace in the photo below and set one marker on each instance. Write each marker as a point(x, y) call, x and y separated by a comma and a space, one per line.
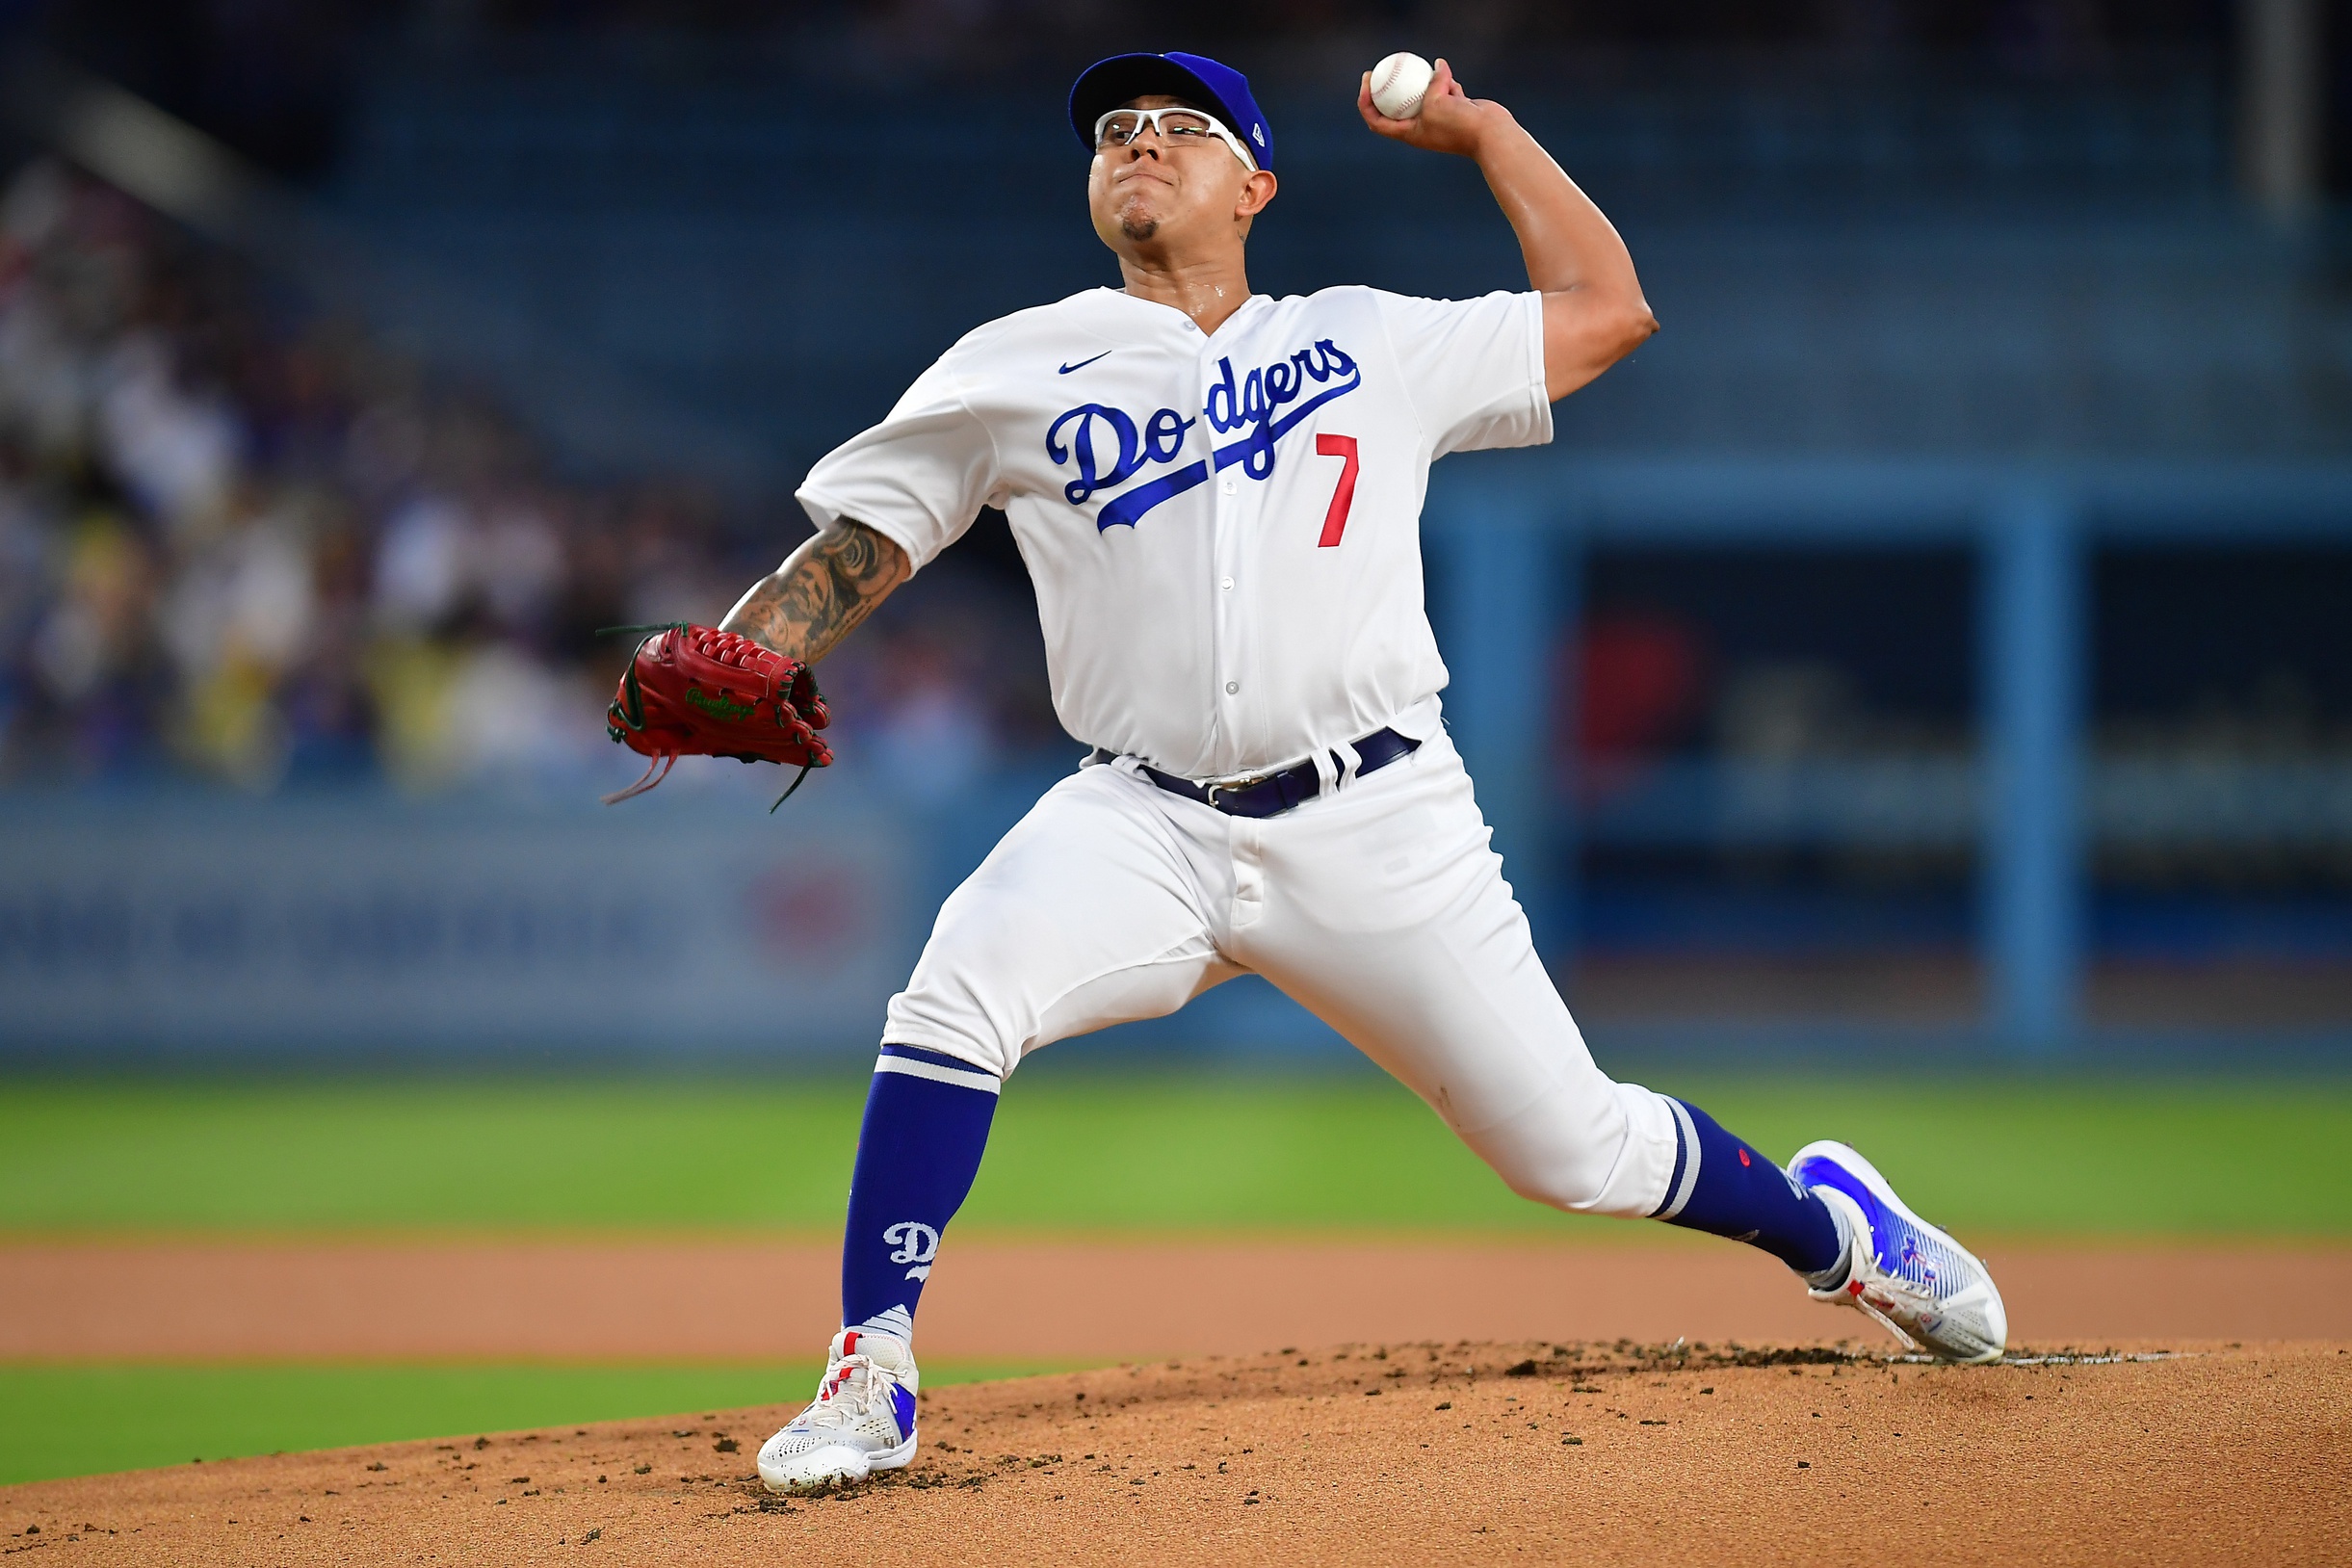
point(850, 1390)
point(1869, 1279)
point(1873, 1309)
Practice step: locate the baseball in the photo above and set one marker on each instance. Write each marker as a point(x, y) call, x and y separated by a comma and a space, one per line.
point(1398, 84)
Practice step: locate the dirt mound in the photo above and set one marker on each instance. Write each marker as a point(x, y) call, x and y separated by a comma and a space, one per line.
point(593, 1298)
point(1465, 1452)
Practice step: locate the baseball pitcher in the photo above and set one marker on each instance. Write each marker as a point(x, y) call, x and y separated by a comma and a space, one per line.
point(1218, 495)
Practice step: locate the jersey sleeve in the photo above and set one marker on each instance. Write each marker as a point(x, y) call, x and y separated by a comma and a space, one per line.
point(918, 478)
point(1473, 368)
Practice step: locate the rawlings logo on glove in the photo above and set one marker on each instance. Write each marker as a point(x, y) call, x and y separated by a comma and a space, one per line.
point(718, 707)
point(698, 692)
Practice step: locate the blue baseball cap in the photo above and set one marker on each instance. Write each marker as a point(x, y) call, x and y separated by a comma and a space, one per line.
point(1106, 84)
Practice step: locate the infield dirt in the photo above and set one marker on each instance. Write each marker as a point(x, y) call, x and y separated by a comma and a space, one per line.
point(1363, 1453)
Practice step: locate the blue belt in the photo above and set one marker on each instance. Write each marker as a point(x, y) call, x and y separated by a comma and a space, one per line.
point(1274, 793)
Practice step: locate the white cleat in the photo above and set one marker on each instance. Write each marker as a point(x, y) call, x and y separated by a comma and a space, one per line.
point(863, 1419)
point(1912, 1276)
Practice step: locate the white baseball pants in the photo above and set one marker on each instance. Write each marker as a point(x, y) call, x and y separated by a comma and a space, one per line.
point(1377, 907)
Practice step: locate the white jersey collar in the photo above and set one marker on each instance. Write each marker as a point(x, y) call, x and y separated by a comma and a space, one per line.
point(1248, 307)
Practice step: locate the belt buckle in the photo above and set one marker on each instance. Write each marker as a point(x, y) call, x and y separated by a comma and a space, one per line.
point(1234, 784)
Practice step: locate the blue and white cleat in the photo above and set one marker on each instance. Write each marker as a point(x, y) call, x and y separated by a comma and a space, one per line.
point(863, 1419)
point(1911, 1276)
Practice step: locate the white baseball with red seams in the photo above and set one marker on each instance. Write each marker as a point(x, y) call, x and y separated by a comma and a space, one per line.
point(1224, 534)
point(1400, 82)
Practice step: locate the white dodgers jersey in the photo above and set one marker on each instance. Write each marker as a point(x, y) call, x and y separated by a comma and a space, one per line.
point(1224, 528)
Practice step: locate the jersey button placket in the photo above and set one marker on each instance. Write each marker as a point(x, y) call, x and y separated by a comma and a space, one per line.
point(1228, 631)
point(1240, 500)
point(1225, 509)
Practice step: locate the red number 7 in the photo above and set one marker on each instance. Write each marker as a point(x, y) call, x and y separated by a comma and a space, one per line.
point(1335, 521)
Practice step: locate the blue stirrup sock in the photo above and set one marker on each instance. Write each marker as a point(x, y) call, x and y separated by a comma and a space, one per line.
point(1723, 1186)
point(927, 1123)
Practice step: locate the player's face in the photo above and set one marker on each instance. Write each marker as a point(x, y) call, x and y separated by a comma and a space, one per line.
point(1159, 194)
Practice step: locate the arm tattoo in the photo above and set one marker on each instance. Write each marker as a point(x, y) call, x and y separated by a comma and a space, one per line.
point(829, 586)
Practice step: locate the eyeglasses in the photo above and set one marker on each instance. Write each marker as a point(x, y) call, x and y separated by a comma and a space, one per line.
point(1177, 127)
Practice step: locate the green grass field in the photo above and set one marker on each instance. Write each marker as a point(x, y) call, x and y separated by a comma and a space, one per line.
point(1352, 1152)
point(1072, 1153)
point(81, 1421)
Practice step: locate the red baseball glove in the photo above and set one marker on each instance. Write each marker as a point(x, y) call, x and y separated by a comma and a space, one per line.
point(696, 692)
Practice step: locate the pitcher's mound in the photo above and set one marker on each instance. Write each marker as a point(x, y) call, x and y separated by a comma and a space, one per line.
point(1364, 1453)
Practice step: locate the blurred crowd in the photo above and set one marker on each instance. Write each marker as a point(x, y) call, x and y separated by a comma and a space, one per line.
point(241, 541)
point(912, 29)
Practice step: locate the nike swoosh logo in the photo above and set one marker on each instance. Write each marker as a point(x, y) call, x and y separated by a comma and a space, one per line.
point(1083, 363)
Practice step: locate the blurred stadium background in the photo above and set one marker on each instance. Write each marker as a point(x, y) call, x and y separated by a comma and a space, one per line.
point(1937, 634)
point(1932, 648)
